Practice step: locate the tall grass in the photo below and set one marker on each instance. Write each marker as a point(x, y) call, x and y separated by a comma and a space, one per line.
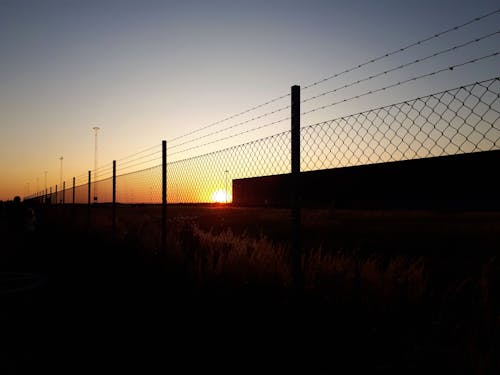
point(445, 303)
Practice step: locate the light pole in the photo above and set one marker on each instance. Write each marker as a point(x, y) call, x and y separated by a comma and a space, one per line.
point(96, 128)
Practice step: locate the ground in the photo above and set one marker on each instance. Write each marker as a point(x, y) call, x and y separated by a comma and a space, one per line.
point(94, 305)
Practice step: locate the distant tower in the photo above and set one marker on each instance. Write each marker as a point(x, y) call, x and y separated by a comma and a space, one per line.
point(96, 128)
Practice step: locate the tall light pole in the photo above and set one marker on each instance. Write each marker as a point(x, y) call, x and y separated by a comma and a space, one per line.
point(96, 128)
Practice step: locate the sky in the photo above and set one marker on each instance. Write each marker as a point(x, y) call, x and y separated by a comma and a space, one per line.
point(149, 70)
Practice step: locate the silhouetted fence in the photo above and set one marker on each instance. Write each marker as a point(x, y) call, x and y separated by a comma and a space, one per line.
point(462, 120)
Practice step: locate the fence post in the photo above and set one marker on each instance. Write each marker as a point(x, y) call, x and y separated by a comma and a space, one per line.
point(50, 194)
point(56, 196)
point(73, 215)
point(88, 191)
point(114, 201)
point(63, 191)
point(88, 202)
point(164, 197)
point(295, 179)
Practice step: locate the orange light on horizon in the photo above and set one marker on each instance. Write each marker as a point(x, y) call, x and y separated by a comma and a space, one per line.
point(221, 196)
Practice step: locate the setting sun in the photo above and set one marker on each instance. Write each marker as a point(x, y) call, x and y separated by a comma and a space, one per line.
point(221, 196)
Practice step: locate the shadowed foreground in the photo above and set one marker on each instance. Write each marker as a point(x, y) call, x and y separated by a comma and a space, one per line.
point(92, 305)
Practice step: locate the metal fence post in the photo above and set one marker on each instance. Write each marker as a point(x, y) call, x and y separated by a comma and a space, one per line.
point(114, 201)
point(73, 215)
point(88, 192)
point(164, 197)
point(56, 196)
point(295, 180)
point(63, 192)
point(88, 202)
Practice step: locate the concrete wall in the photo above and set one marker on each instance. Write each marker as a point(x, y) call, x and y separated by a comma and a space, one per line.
point(466, 181)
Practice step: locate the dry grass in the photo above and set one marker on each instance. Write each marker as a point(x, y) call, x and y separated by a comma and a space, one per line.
point(446, 303)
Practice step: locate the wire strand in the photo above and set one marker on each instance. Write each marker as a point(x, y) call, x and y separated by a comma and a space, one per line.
point(402, 49)
point(231, 136)
point(232, 126)
point(230, 117)
point(385, 72)
point(451, 67)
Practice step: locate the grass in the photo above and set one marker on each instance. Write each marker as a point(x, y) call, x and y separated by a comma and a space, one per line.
point(429, 299)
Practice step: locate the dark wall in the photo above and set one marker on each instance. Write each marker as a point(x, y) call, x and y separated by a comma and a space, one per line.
point(466, 181)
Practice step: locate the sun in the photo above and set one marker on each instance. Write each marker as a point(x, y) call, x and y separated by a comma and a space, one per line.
point(221, 196)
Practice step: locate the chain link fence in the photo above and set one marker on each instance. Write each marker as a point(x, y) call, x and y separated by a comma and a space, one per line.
point(462, 120)
point(457, 121)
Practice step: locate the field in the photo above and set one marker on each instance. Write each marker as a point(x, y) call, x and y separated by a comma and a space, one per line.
point(384, 291)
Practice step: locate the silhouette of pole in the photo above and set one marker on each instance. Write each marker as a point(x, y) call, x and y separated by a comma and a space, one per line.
point(61, 172)
point(296, 209)
point(45, 186)
point(164, 197)
point(114, 201)
point(96, 128)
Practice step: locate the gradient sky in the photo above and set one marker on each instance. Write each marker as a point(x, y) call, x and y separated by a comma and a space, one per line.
point(149, 70)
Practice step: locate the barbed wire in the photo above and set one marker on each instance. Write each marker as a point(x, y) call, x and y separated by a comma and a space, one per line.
point(233, 126)
point(399, 83)
point(354, 83)
point(137, 171)
point(230, 117)
point(399, 50)
point(402, 66)
point(415, 99)
point(402, 49)
point(316, 83)
point(138, 164)
point(139, 152)
point(415, 78)
point(231, 136)
point(142, 157)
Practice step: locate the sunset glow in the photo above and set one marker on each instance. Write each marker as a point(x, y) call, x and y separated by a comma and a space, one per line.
point(221, 196)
